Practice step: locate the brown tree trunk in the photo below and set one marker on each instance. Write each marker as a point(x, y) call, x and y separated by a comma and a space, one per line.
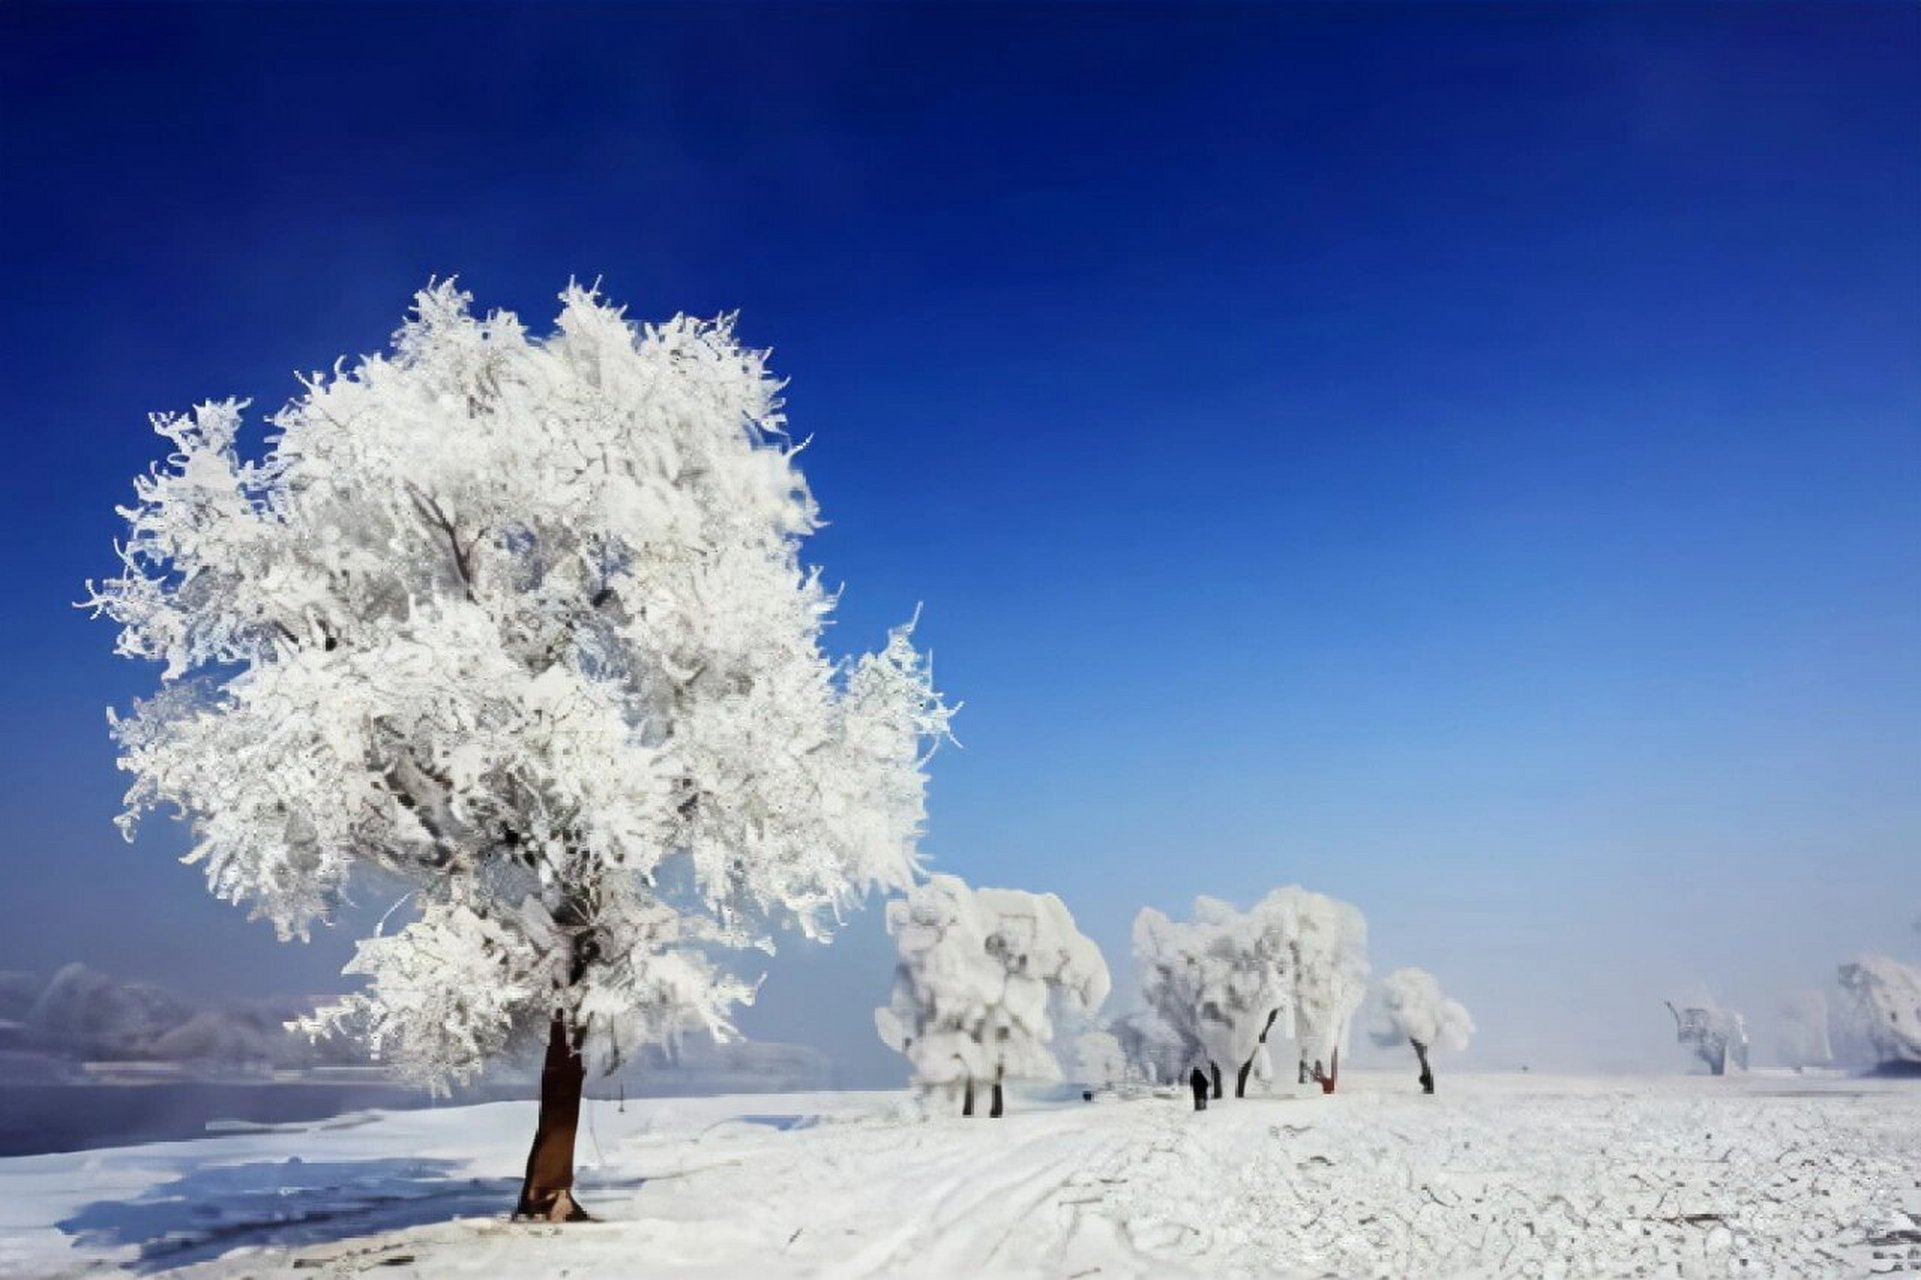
point(1214, 1068)
point(967, 1098)
point(1427, 1072)
point(994, 1109)
point(1328, 1077)
point(1303, 1077)
point(1240, 1080)
point(548, 1190)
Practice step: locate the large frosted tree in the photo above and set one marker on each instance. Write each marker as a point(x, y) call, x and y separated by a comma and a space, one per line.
point(1227, 982)
point(517, 625)
point(1219, 980)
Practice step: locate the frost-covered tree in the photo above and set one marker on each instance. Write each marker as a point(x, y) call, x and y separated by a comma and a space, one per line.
point(1416, 1011)
point(1212, 982)
point(1155, 1052)
point(1803, 1030)
point(980, 973)
point(1884, 1005)
point(1099, 1060)
point(520, 624)
point(1329, 972)
point(1227, 981)
point(1719, 1037)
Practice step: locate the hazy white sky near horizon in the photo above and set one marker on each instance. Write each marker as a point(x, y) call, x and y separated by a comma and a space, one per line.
point(1463, 459)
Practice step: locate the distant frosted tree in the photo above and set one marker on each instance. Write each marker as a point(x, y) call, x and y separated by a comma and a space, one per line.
point(1227, 981)
point(1417, 1012)
point(1098, 1059)
point(1803, 1028)
point(520, 624)
point(1208, 982)
point(1155, 1052)
point(1329, 967)
point(979, 975)
point(1884, 1004)
point(1719, 1037)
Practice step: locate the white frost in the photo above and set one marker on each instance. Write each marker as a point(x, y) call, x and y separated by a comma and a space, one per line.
point(520, 624)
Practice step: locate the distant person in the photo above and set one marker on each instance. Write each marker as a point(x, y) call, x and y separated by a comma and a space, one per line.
point(1198, 1082)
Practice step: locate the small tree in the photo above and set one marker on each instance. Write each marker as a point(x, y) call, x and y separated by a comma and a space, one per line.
point(1719, 1037)
point(1418, 1013)
point(521, 624)
point(980, 971)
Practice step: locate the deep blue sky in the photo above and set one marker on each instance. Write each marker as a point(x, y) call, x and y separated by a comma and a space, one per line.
point(1462, 458)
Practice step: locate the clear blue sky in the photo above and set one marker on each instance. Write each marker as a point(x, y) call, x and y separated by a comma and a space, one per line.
point(1462, 458)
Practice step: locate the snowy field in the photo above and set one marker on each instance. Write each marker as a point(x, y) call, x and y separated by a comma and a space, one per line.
point(1498, 1175)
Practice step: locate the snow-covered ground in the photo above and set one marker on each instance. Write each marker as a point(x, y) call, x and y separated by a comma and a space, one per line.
point(1526, 1175)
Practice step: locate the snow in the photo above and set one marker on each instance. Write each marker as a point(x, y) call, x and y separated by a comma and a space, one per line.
point(1757, 1174)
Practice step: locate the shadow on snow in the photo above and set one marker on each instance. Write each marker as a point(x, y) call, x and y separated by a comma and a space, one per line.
point(289, 1203)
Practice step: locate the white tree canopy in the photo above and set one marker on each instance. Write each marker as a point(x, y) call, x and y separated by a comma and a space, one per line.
point(1326, 957)
point(1155, 1052)
point(1415, 1009)
point(979, 975)
point(1216, 980)
point(1099, 1060)
point(519, 624)
point(1884, 1004)
point(1719, 1037)
point(1294, 966)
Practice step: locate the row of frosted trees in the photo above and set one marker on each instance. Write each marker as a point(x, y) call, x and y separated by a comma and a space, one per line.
point(984, 974)
point(513, 631)
point(1872, 1020)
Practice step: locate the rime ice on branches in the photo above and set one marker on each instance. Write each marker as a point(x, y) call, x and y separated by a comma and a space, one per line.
point(520, 624)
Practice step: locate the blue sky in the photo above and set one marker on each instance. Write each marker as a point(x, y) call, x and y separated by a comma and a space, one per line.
point(1463, 458)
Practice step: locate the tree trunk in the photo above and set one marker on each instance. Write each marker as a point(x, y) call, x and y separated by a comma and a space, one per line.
point(1303, 1078)
point(548, 1190)
point(1240, 1084)
point(967, 1098)
point(1215, 1069)
point(1427, 1072)
point(1327, 1079)
point(994, 1109)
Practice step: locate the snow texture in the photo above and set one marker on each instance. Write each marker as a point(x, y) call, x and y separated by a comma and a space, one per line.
point(1758, 1174)
point(980, 975)
point(519, 624)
